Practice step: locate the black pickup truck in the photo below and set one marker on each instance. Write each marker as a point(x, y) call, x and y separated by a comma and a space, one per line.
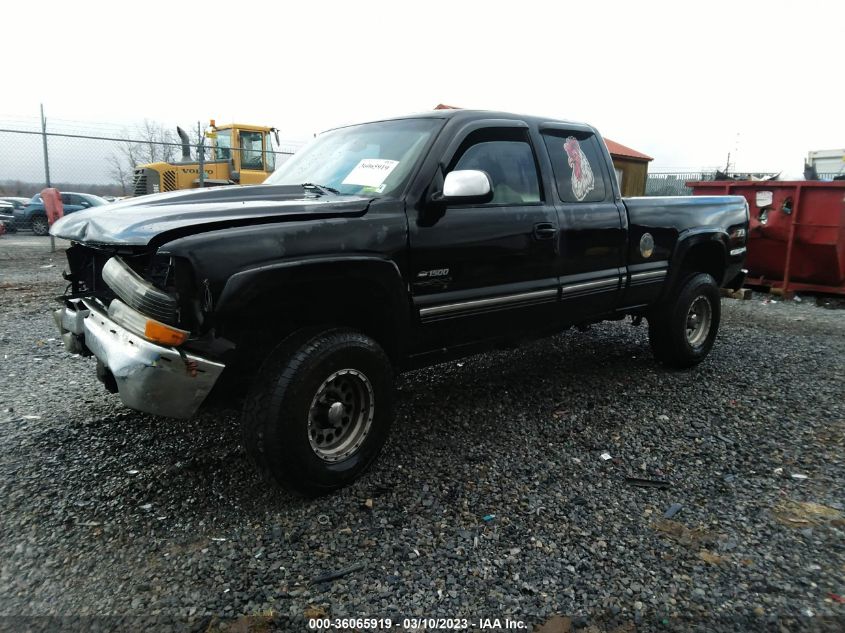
point(379, 248)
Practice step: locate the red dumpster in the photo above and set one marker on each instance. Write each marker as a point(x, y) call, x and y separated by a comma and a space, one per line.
point(796, 236)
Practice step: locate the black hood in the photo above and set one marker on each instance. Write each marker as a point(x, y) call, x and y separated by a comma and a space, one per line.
point(136, 222)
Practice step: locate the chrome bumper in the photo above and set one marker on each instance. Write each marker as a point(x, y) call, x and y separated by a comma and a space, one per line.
point(149, 377)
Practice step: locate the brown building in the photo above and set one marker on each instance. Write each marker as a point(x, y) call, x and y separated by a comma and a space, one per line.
point(631, 168)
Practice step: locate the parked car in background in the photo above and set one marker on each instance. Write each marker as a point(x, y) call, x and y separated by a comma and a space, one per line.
point(8, 204)
point(34, 216)
point(7, 219)
point(16, 201)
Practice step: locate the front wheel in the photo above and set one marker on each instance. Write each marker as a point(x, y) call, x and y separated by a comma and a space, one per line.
point(682, 330)
point(320, 410)
point(40, 225)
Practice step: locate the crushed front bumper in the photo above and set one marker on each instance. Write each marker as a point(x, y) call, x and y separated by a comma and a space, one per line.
point(149, 377)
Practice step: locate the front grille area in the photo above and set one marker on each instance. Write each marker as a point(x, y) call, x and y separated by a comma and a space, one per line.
point(86, 266)
point(168, 181)
point(139, 185)
point(86, 269)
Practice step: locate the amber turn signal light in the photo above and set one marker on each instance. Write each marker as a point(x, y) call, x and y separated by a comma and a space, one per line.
point(150, 329)
point(161, 333)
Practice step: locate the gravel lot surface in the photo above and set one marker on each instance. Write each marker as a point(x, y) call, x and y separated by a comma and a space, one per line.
point(492, 498)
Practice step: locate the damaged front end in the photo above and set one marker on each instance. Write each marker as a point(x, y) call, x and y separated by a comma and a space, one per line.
point(125, 309)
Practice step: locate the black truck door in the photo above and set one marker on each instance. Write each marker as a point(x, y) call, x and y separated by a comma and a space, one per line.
point(479, 271)
point(592, 229)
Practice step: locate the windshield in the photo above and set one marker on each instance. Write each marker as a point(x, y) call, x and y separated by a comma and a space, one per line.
point(95, 201)
point(369, 159)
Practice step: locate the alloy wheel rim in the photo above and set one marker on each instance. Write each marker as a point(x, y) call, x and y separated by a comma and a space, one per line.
point(341, 415)
point(699, 317)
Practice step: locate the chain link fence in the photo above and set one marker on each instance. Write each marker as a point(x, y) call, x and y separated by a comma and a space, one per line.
point(674, 183)
point(107, 166)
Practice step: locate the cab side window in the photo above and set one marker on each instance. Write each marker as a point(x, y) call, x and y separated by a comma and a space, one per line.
point(578, 166)
point(507, 158)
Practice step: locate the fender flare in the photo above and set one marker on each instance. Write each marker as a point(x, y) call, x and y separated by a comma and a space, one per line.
point(689, 239)
point(251, 284)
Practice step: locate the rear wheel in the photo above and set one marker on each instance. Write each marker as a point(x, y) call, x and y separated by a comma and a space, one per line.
point(40, 226)
point(320, 411)
point(683, 329)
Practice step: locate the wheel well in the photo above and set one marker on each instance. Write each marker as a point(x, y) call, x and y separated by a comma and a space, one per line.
point(358, 303)
point(707, 257)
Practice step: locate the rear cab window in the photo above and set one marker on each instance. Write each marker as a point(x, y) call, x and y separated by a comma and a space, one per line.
point(578, 165)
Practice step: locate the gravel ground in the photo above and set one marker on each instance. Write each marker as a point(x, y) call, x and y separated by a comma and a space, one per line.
point(490, 500)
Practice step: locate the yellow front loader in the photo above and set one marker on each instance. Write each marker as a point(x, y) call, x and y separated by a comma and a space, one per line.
point(239, 154)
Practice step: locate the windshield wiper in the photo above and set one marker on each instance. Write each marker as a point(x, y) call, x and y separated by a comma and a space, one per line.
point(321, 188)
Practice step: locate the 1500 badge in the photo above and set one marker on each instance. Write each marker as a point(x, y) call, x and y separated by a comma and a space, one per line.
point(437, 272)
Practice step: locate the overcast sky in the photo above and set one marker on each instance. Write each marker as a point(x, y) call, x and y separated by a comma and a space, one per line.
point(683, 82)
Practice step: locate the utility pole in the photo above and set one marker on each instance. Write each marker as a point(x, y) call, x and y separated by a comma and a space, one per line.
point(201, 154)
point(46, 166)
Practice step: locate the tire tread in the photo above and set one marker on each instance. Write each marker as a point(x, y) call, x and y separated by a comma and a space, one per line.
point(665, 339)
point(267, 398)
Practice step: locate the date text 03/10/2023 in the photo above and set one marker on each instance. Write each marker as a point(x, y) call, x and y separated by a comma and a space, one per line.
point(416, 623)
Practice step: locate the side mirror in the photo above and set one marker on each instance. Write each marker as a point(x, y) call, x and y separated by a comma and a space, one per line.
point(465, 186)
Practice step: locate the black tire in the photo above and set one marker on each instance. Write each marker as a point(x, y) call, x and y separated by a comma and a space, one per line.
point(283, 422)
point(679, 339)
point(40, 226)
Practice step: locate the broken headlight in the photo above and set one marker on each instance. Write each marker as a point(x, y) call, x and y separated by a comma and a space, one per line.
point(138, 293)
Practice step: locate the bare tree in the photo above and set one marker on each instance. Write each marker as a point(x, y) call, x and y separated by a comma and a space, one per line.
point(157, 143)
point(123, 160)
point(120, 172)
point(15, 188)
point(150, 142)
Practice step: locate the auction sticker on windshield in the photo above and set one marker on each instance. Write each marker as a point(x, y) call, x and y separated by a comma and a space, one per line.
point(370, 172)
